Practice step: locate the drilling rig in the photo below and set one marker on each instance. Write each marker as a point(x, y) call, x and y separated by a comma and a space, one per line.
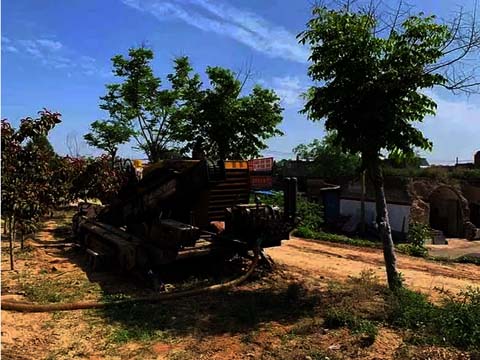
point(178, 209)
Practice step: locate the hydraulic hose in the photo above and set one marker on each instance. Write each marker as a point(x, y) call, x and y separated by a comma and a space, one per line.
point(81, 305)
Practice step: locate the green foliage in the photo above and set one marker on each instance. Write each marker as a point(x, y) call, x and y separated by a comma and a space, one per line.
point(371, 85)
point(466, 259)
point(28, 170)
point(456, 322)
point(329, 160)
point(336, 238)
point(309, 213)
point(370, 89)
point(217, 122)
point(418, 234)
point(413, 250)
point(107, 135)
point(338, 317)
point(95, 178)
point(139, 102)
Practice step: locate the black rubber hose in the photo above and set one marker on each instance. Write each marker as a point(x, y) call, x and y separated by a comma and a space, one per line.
point(80, 305)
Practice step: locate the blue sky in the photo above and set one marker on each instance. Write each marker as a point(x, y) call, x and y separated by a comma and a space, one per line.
point(56, 54)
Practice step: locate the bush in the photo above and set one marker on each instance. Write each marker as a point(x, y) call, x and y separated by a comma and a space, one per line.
point(459, 320)
point(413, 250)
point(418, 234)
point(309, 213)
point(337, 317)
point(335, 238)
point(456, 322)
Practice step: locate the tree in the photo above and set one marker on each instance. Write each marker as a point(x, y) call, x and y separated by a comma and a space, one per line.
point(329, 160)
point(139, 103)
point(217, 121)
point(25, 171)
point(370, 88)
point(107, 135)
point(74, 147)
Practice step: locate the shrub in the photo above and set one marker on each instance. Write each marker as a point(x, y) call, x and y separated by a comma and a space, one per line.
point(413, 250)
point(309, 213)
point(418, 234)
point(459, 320)
point(456, 322)
point(337, 317)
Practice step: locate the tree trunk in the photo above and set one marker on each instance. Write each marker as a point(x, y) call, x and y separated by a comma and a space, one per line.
point(385, 232)
point(362, 204)
point(5, 226)
point(112, 155)
point(11, 224)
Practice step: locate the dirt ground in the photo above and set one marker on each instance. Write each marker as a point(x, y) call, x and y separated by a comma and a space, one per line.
point(262, 319)
point(456, 248)
point(335, 261)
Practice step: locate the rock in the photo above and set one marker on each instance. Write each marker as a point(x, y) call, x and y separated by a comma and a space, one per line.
point(334, 347)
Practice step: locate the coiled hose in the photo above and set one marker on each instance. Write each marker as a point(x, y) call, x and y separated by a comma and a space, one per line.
point(81, 305)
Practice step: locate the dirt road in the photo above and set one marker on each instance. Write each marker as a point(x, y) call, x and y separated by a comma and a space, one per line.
point(338, 262)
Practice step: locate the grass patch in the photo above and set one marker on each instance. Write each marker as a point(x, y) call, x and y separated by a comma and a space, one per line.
point(412, 250)
point(466, 259)
point(44, 289)
point(138, 322)
point(455, 322)
point(339, 317)
point(24, 254)
point(365, 304)
point(335, 238)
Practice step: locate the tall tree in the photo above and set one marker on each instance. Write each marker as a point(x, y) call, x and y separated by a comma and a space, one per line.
point(370, 89)
point(107, 136)
point(218, 121)
point(140, 103)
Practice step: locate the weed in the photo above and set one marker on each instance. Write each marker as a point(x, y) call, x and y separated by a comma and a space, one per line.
point(50, 290)
point(249, 337)
point(305, 326)
point(412, 250)
point(466, 259)
point(335, 238)
point(456, 322)
point(25, 254)
point(339, 317)
point(294, 292)
point(418, 234)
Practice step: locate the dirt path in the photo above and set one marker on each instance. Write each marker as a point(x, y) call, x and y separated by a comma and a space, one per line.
point(338, 262)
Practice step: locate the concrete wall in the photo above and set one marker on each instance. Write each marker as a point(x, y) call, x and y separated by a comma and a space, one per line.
point(398, 214)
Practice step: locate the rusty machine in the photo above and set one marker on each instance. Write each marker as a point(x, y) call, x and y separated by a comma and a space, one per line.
point(178, 209)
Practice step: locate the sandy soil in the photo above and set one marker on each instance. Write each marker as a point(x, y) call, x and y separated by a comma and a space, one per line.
point(456, 248)
point(82, 334)
point(338, 262)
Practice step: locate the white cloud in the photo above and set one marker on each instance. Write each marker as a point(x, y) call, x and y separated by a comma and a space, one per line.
point(289, 89)
point(244, 26)
point(454, 130)
point(54, 54)
point(50, 44)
